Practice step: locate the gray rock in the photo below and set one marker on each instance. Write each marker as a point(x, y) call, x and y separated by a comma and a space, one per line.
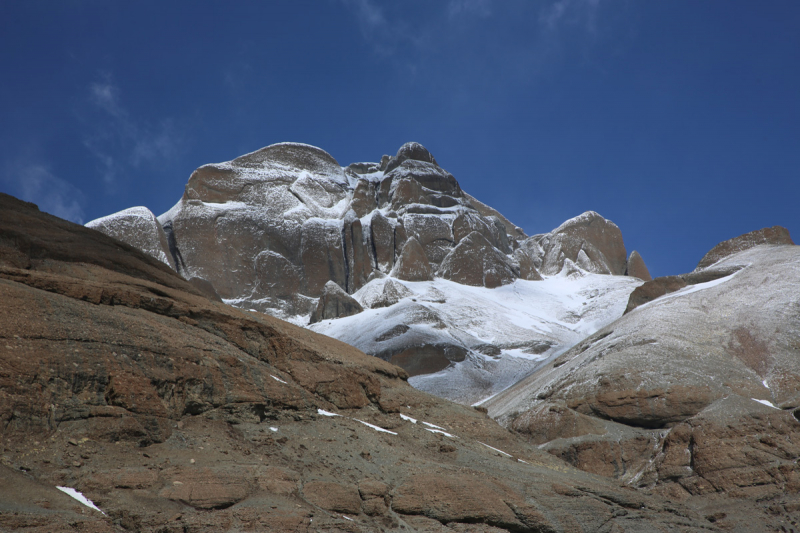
point(474, 261)
point(637, 268)
point(334, 303)
point(139, 228)
point(412, 265)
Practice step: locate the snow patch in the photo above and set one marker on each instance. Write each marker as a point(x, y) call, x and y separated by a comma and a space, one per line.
point(766, 402)
point(80, 497)
point(412, 420)
point(278, 379)
point(323, 412)
point(376, 428)
point(495, 449)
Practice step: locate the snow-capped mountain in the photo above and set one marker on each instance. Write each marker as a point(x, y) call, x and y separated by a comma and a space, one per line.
point(393, 258)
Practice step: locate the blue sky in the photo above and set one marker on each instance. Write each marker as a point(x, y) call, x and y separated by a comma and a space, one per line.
point(678, 120)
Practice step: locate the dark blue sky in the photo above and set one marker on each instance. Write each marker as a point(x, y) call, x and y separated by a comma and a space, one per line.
point(678, 120)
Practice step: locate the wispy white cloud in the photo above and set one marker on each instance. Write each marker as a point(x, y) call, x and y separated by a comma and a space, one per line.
point(580, 12)
point(371, 18)
point(481, 8)
point(119, 141)
point(34, 182)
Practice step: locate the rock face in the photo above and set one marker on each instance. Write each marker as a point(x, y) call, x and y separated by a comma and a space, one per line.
point(412, 264)
point(270, 230)
point(335, 303)
point(637, 268)
point(773, 235)
point(588, 240)
point(138, 227)
point(676, 394)
point(173, 412)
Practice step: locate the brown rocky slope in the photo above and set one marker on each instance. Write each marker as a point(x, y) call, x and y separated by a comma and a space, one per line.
point(174, 413)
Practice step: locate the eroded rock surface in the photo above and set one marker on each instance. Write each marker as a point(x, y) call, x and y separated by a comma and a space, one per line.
point(174, 412)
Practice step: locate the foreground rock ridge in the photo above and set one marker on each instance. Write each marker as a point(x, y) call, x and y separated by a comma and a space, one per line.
point(693, 393)
point(287, 231)
point(173, 412)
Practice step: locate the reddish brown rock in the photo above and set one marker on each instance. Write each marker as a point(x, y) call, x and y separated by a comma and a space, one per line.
point(636, 267)
point(654, 289)
point(208, 488)
point(333, 496)
point(173, 412)
point(412, 264)
point(773, 235)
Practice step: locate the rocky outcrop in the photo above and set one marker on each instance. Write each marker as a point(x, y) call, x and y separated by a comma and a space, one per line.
point(474, 261)
point(335, 303)
point(635, 267)
point(172, 412)
point(773, 235)
point(412, 264)
point(590, 241)
point(138, 227)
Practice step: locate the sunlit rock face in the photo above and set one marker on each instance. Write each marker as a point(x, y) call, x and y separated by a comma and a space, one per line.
point(272, 230)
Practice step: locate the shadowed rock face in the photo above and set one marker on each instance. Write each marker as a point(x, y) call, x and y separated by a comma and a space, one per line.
point(173, 412)
point(672, 395)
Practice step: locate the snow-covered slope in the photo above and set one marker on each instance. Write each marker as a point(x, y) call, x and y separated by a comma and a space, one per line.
point(478, 341)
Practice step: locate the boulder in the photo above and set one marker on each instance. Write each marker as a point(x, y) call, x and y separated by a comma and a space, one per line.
point(415, 151)
point(773, 235)
point(412, 265)
point(476, 262)
point(636, 267)
point(139, 228)
point(334, 303)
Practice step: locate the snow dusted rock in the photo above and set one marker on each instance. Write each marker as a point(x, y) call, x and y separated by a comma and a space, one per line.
point(773, 235)
point(704, 362)
point(138, 227)
point(383, 293)
point(269, 230)
point(335, 303)
point(476, 262)
point(589, 240)
point(412, 265)
point(636, 267)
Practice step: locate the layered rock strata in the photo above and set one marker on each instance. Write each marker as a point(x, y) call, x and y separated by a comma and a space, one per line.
point(172, 412)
